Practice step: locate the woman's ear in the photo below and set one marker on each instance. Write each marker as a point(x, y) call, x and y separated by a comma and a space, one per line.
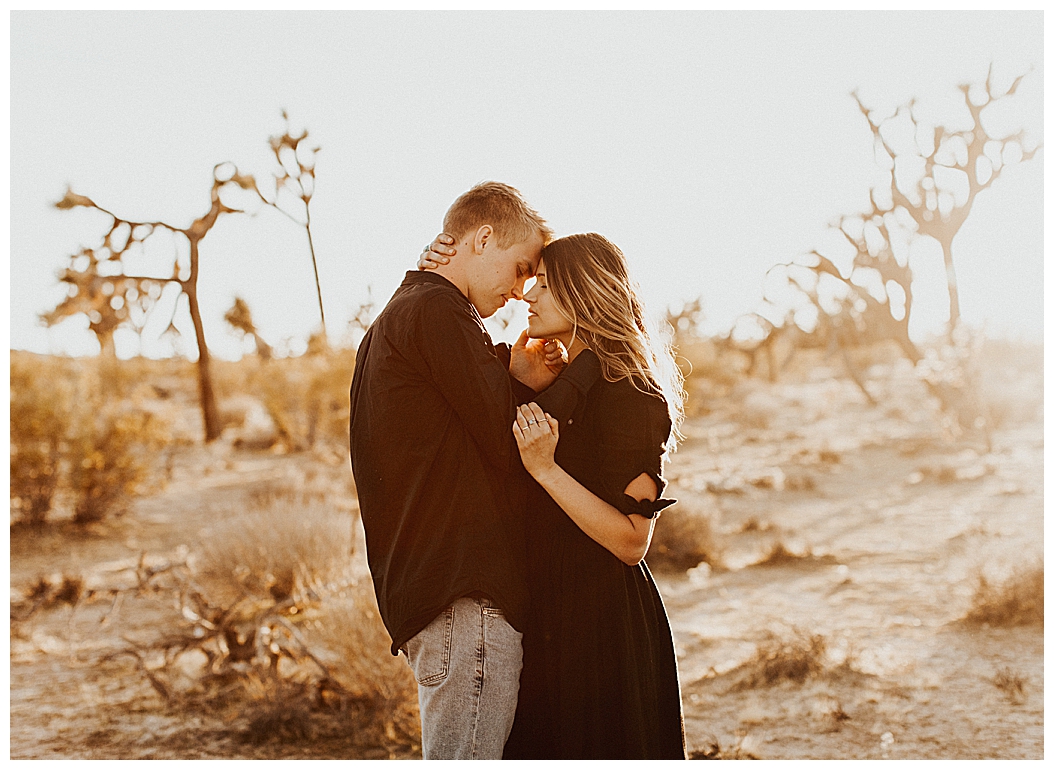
point(482, 237)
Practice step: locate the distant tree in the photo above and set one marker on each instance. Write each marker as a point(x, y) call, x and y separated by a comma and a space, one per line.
point(100, 273)
point(108, 300)
point(241, 319)
point(291, 189)
point(936, 173)
point(934, 177)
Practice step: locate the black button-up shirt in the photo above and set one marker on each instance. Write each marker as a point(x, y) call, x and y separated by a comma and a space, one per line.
point(437, 471)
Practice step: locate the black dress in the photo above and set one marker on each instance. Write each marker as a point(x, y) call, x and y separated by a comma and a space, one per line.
point(599, 674)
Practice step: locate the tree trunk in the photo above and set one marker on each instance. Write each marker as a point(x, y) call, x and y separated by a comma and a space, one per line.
point(953, 288)
point(209, 411)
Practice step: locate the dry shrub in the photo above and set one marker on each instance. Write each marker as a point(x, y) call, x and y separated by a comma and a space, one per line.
point(283, 543)
point(683, 538)
point(68, 432)
point(1010, 381)
point(742, 748)
point(793, 659)
point(48, 592)
point(1011, 684)
point(299, 614)
point(110, 461)
point(354, 643)
point(779, 555)
point(307, 397)
point(41, 404)
point(1018, 601)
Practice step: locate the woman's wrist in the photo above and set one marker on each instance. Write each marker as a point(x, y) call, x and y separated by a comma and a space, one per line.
point(547, 476)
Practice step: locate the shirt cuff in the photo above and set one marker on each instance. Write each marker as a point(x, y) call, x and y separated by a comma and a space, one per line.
point(649, 509)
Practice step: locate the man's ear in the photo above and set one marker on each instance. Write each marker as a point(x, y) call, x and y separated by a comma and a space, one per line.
point(483, 235)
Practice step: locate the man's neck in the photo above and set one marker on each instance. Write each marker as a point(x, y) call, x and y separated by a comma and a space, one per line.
point(455, 275)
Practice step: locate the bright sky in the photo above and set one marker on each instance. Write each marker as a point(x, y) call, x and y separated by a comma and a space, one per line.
point(709, 146)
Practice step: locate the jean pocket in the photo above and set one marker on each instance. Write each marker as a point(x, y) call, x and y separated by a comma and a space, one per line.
point(429, 651)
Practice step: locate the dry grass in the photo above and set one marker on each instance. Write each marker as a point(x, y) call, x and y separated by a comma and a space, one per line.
point(70, 430)
point(792, 659)
point(354, 644)
point(683, 538)
point(779, 555)
point(307, 397)
point(1011, 684)
point(282, 542)
point(283, 612)
point(1017, 601)
point(110, 461)
point(41, 405)
point(742, 748)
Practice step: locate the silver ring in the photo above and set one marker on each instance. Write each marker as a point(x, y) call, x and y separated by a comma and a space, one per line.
point(532, 422)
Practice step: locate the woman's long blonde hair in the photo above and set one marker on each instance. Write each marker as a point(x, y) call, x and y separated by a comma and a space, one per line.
point(590, 284)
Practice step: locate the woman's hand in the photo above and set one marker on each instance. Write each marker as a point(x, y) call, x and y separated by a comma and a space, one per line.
point(536, 436)
point(437, 253)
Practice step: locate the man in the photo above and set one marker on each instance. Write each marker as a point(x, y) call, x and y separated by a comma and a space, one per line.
point(438, 474)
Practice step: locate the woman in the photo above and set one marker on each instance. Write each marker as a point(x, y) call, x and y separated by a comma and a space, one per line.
point(599, 670)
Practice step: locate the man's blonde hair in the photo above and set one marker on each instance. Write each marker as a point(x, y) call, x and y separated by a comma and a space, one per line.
point(500, 206)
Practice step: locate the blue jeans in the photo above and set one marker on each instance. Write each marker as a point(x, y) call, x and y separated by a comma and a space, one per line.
point(467, 665)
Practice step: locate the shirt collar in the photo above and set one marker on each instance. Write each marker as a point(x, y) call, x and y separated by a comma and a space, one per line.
point(429, 276)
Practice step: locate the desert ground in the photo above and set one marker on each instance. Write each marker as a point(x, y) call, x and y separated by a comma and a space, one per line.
point(842, 544)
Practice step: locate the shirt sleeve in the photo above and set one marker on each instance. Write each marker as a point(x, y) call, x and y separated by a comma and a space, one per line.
point(632, 440)
point(467, 371)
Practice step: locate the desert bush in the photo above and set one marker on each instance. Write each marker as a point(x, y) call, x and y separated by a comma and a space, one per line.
point(793, 659)
point(72, 430)
point(284, 542)
point(1010, 382)
point(354, 643)
point(308, 396)
point(683, 538)
point(779, 555)
point(41, 405)
point(742, 747)
point(109, 455)
point(1017, 601)
point(284, 615)
point(1011, 684)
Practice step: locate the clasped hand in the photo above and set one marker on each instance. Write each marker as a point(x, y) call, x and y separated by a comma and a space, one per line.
point(536, 436)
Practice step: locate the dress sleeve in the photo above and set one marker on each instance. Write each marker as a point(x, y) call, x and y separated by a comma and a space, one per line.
point(632, 440)
point(567, 395)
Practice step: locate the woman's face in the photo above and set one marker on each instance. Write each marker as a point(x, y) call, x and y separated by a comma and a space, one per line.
point(544, 319)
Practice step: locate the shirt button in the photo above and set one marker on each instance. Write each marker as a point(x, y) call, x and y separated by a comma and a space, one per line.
point(570, 421)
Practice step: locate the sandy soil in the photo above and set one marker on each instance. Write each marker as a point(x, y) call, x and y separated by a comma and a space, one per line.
point(891, 519)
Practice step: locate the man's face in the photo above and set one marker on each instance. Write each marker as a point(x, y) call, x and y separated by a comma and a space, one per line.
point(501, 272)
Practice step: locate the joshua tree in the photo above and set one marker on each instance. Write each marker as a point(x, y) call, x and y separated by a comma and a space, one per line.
point(241, 318)
point(101, 286)
point(293, 187)
point(936, 173)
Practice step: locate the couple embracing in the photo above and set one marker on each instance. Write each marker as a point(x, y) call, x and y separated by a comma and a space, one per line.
point(509, 495)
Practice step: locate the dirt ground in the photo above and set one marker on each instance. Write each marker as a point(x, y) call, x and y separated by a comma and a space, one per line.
point(886, 522)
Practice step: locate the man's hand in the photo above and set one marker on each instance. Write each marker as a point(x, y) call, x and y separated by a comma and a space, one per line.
point(536, 363)
point(437, 253)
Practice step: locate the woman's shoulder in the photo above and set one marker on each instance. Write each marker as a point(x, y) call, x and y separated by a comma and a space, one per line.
point(629, 399)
